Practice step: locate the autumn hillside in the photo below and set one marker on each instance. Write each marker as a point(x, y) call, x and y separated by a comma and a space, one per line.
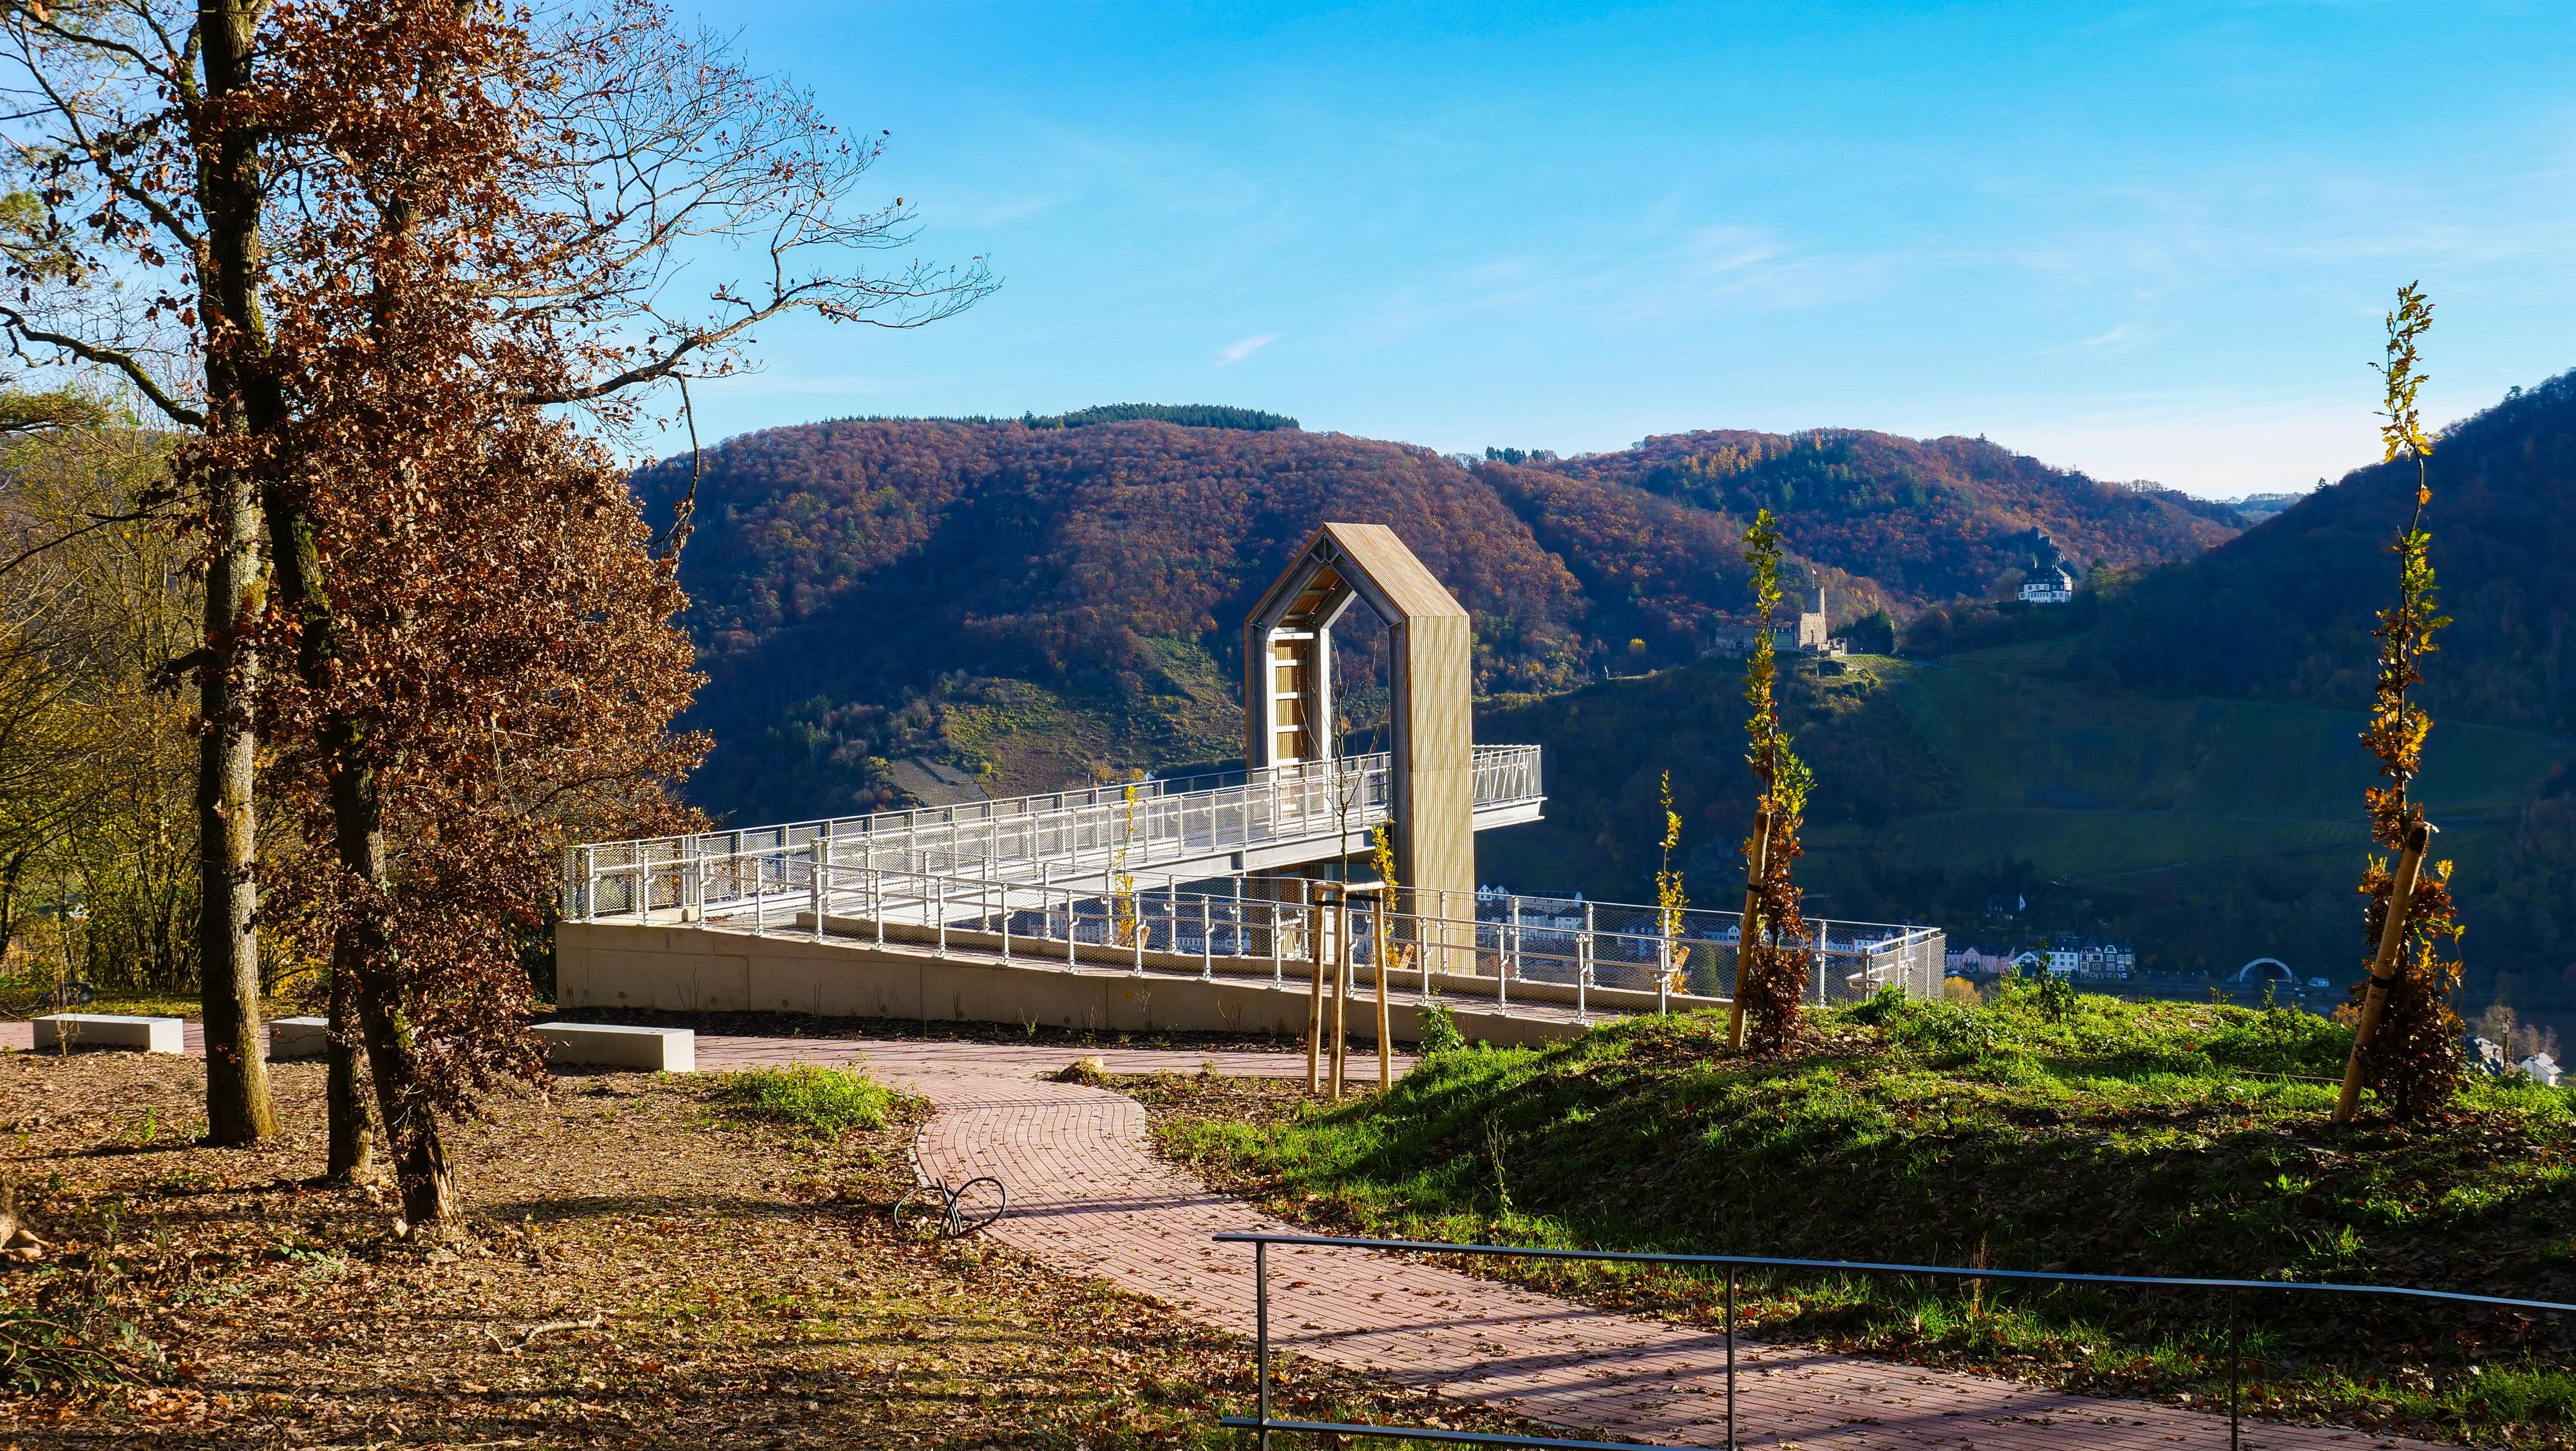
point(1034, 602)
point(2284, 612)
point(1922, 519)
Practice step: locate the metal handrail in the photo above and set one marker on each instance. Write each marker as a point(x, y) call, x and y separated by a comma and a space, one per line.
point(1098, 828)
point(1264, 1423)
point(1478, 946)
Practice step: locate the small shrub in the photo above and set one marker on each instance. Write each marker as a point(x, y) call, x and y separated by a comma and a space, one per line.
point(2054, 997)
point(810, 1097)
point(1878, 1011)
point(39, 1352)
point(1439, 1030)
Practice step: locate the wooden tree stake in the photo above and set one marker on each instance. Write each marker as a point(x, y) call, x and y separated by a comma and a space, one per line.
point(1385, 1060)
point(1341, 991)
point(2387, 965)
point(1315, 998)
point(1745, 931)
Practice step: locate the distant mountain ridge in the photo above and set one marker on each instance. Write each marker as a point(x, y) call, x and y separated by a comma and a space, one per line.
point(1926, 519)
point(1038, 599)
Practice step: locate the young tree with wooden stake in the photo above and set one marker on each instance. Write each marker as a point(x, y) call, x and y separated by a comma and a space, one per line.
point(1382, 852)
point(2406, 1042)
point(1670, 900)
point(1771, 950)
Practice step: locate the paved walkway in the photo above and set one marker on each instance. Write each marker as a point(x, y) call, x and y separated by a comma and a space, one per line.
point(1088, 1196)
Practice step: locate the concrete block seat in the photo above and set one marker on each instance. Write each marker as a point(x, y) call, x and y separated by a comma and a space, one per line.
point(298, 1038)
point(108, 1030)
point(616, 1045)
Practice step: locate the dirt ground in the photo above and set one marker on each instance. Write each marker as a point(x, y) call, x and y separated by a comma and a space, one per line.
point(639, 1269)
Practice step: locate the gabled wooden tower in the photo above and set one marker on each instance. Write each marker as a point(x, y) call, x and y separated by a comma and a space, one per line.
point(1288, 693)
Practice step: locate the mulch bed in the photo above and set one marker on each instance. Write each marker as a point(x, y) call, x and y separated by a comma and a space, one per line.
point(637, 1269)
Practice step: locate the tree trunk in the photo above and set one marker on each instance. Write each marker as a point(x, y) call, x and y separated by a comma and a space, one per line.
point(238, 1108)
point(241, 401)
point(393, 1059)
point(352, 1152)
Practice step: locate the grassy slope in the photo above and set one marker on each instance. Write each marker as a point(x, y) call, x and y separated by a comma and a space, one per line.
point(2140, 1138)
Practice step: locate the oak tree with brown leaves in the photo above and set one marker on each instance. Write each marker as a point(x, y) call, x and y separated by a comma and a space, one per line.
point(444, 222)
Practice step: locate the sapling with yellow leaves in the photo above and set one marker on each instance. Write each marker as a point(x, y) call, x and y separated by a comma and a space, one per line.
point(2407, 1042)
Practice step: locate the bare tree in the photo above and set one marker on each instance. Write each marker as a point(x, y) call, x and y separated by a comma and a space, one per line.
point(139, 145)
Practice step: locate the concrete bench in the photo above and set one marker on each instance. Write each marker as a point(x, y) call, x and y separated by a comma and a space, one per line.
point(613, 1045)
point(108, 1030)
point(298, 1038)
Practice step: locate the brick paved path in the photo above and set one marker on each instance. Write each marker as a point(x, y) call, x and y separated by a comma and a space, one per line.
point(1088, 1196)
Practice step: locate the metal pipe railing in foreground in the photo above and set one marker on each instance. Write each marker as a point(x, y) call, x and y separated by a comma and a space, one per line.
point(1264, 1423)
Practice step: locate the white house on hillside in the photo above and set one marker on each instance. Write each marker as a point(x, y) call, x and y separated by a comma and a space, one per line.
point(2050, 586)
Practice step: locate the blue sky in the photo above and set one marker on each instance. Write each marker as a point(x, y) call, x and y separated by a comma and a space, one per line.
point(2145, 240)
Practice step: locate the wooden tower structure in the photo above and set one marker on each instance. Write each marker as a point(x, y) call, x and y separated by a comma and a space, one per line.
point(1288, 694)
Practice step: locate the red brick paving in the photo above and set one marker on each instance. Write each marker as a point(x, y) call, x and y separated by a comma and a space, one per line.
point(1088, 1196)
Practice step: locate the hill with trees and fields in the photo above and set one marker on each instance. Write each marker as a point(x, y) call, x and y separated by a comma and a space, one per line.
point(1031, 601)
point(2284, 611)
point(2210, 831)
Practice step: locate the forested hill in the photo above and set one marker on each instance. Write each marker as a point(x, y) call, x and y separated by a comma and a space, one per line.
point(1033, 601)
point(2285, 610)
point(1926, 519)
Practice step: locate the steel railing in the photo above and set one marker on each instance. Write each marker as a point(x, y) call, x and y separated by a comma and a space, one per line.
point(1059, 834)
point(1538, 950)
point(1263, 1423)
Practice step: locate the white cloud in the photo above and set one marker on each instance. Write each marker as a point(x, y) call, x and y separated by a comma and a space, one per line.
point(1235, 352)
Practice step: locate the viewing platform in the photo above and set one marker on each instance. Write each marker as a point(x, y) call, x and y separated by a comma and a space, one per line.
point(1204, 903)
point(1185, 830)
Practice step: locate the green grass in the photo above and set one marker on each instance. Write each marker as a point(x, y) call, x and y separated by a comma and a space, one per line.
point(2137, 1138)
point(809, 1098)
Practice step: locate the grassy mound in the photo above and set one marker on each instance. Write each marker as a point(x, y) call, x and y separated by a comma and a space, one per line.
point(809, 1097)
point(2045, 1131)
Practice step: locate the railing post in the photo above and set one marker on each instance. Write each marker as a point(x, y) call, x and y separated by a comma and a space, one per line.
point(2235, 1363)
point(1261, 1332)
point(1583, 967)
point(1278, 961)
point(941, 910)
point(1502, 970)
point(1207, 942)
point(876, 901)
point(816, 892)
point(1004, 887)
point(759, 898)
point(1730, 1358)
point(1071, 933)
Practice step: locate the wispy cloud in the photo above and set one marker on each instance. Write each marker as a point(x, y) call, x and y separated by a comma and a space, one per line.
point(1235, 352)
